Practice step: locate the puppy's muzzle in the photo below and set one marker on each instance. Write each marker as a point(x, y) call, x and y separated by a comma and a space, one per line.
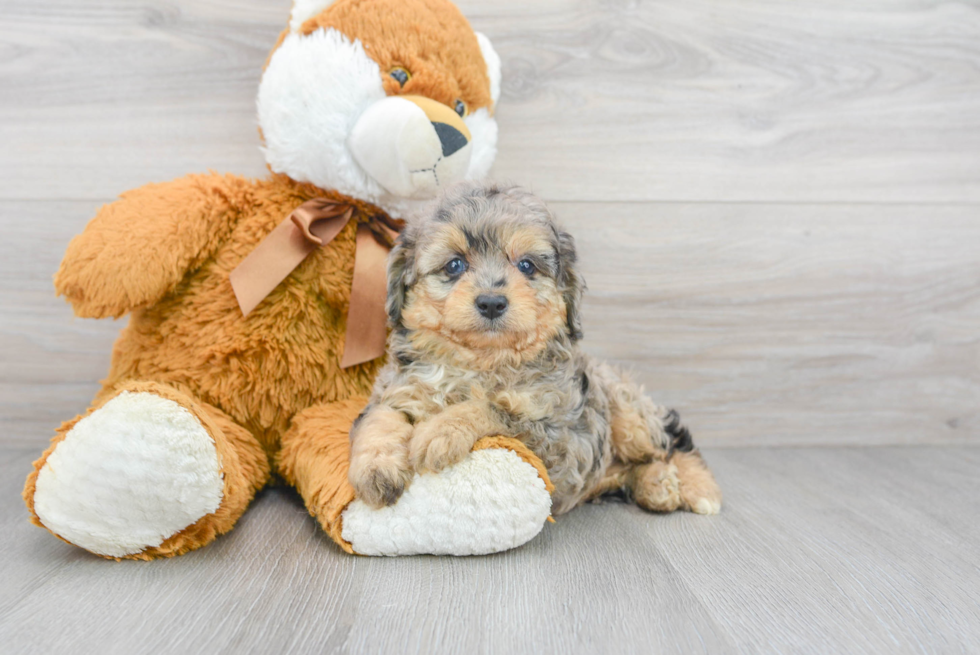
point(491, 306)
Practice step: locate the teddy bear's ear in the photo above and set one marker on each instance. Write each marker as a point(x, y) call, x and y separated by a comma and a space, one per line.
point(303, 10)
point(493, 65)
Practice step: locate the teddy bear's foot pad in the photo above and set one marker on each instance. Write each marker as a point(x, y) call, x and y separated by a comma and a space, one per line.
point(128, 476)
point(490, 502)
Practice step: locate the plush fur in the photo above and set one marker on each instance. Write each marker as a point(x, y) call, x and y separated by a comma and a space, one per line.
point(238, 389)
point(303, 10)
point(460, 370)
point(172, 477)
point(449, 514)
point(305, 122)
point(355, 45)
point(164, 252)
point(434, 43)
point(244, 468)
point(488, 505)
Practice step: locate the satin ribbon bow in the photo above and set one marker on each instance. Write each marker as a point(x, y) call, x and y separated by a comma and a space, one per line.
point(312, 225)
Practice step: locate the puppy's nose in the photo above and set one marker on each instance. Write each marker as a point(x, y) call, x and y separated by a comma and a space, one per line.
point(491, 306)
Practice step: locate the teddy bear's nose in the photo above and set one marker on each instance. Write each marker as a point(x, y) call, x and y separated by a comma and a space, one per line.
point(450, 138)
point(491, 306)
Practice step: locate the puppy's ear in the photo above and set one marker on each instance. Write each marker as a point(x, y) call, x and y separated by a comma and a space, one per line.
point(570, 283)
point(401, 275)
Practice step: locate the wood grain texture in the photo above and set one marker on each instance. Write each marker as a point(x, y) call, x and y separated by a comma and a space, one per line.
point(763, 324)
point(779, 324)
point(817, 550)
point(602, 100)
point(756, 100)
point(102, 96)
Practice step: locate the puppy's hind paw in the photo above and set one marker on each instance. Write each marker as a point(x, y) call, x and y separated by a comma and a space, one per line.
point(655, 487)
point(699, 490)
point(706, 506)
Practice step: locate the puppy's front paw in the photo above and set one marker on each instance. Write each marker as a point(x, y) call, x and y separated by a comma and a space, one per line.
point(379, 483)
point(379, 470)
point(440, 442)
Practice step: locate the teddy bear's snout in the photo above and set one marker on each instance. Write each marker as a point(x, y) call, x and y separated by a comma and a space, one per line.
point(450, 138)
point(411, 145)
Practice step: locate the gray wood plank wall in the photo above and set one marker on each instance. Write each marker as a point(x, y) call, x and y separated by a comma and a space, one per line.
point(778, 204)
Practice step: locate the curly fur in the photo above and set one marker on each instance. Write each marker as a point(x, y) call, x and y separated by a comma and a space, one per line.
point(455, 375)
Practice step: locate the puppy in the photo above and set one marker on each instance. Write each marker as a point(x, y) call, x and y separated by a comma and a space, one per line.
point(483, 302)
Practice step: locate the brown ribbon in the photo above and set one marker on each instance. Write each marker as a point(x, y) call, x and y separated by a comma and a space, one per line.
point(312, 225)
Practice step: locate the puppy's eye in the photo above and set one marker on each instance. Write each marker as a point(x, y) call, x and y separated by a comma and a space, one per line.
point(455, 267)
point(461, 108)
point(526, 266)
point(400, 75)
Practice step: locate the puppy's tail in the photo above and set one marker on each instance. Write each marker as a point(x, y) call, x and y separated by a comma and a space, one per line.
point(680, 437)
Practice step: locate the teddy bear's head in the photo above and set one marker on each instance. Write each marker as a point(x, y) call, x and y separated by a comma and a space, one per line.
point(388, 101)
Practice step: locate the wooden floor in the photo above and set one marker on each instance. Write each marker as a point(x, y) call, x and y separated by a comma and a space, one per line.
point(818, 550)
point(778, 211)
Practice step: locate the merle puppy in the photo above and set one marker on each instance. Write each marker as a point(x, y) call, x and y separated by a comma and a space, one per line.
point(483, 301)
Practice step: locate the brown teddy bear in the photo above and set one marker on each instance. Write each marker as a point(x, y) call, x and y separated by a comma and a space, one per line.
point(255, 332)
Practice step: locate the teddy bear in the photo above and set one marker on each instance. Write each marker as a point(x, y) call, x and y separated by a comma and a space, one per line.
point(256, 307)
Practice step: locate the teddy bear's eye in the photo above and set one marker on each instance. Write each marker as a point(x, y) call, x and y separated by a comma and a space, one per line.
point(400, 75)
point(526, 266)
point(461, 108)
point(455, 267)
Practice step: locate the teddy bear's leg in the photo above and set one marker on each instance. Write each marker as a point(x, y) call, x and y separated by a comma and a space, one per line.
point(497, 498)
point(150, 472)
point(314, 458)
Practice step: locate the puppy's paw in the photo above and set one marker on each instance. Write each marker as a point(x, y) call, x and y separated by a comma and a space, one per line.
point(706, 505)
point(699, 491)
point(656, 488)
point(379, 469)
point(379, 482)
point(440, 442)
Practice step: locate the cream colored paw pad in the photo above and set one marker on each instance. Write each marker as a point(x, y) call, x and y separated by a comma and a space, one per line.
point(491, 501)
point(128, 476)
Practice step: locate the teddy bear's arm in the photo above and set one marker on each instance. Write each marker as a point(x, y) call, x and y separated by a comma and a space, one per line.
point(141, 246)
